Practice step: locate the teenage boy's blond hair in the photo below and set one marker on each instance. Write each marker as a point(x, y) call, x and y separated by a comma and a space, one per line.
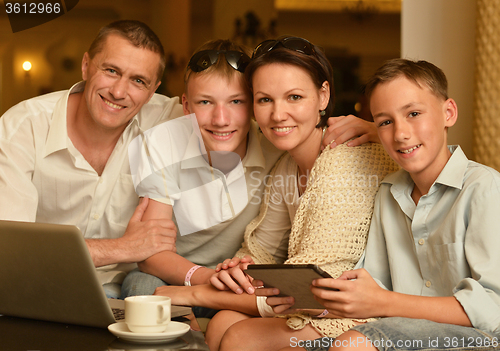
point(221, 66)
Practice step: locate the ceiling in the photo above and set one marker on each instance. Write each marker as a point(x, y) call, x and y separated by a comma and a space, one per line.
point(382, 6)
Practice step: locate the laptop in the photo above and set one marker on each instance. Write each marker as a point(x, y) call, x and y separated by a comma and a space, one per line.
point(46, 273)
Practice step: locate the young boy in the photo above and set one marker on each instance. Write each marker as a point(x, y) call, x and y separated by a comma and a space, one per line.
point(432, 263)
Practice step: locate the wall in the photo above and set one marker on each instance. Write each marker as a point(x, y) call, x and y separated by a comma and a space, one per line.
point(370, 41)
point(56, 48)
point(374, 39)
point(443, 32)
point(182, 26)
point(171, 20)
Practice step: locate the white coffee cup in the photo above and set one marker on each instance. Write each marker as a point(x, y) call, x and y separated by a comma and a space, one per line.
point(147, 314)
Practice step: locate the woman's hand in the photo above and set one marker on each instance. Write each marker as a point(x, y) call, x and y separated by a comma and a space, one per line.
point(230, 275)
point(355, 294)
point(279, 304)
point(344, 128)
point(283, 304)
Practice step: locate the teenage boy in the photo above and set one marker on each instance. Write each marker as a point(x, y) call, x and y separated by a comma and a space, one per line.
point(431, 265)
point(208, 171)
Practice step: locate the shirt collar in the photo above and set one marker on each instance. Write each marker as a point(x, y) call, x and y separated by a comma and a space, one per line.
point(57, 139)
point(452, 174)
point(254, 156)
point(195, 154)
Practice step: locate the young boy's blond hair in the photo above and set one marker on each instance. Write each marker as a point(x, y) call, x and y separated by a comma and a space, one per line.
point(419, 72)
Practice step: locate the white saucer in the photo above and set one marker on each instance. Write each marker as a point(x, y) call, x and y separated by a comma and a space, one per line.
point(174, 330)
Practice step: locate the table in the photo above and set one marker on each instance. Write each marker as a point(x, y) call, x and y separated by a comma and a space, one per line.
point(18, 334)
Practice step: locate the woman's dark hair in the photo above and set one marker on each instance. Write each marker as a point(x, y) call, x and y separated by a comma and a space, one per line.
point(316, 65)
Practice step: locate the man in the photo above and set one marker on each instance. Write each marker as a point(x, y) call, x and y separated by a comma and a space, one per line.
point(63, 156)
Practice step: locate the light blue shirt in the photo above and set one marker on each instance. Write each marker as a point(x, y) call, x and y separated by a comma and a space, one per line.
point(446, 245)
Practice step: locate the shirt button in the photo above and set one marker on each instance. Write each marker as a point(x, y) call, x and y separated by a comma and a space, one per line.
point(421, 242)
point(428, 284)
point(101, 181)
point(96, 216)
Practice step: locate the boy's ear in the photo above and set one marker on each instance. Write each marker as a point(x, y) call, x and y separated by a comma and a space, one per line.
point(451, 111)
point(185, 105)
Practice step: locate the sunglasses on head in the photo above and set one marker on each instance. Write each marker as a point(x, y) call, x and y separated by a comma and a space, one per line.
point(292, 43)
point(206, 58)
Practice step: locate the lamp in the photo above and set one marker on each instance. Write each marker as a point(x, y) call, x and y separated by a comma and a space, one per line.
point(27, 66)
point(362, 11)
point(27, 76)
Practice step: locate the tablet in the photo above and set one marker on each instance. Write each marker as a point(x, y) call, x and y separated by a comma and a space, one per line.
point(291, 279)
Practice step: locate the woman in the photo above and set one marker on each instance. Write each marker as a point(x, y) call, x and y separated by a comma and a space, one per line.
point(232, 151)
point(292, 87)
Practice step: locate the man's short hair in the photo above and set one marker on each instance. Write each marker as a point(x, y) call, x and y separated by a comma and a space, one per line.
point(419, 72)
point(137, 33)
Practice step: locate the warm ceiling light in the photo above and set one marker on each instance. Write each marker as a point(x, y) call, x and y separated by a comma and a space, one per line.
point(27, 66)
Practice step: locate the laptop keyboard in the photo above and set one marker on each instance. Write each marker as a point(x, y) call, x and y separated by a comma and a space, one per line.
point(118, 313)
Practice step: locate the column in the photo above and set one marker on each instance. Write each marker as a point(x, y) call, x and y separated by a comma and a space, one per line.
point(487, 84)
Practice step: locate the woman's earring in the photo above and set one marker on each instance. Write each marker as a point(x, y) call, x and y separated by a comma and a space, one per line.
point(322, 113)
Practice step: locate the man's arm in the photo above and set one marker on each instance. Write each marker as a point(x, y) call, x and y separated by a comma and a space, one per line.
point(143, 238)
point(18, 194)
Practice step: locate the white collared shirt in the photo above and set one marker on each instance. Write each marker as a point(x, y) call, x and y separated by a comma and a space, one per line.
point(168, 169)
point(44, 178)
point(169, 164)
